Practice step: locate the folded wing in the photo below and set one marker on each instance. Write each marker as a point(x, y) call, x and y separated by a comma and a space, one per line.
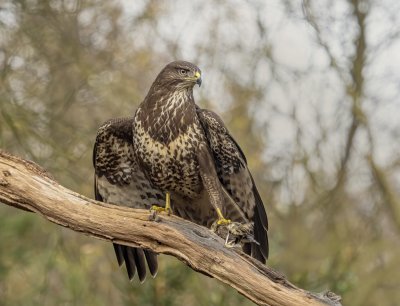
point(119, 180)
point(235, 177)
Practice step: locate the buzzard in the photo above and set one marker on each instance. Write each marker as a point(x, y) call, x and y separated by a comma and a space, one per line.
point(174, 156)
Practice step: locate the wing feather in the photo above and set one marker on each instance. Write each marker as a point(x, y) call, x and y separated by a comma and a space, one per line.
point(234, 174)
point(119, 180)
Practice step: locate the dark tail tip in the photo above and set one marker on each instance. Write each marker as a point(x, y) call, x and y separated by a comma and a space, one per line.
point(135, 260)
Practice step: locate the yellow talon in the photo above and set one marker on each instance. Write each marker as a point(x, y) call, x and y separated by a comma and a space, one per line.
point(157, 208)
point(167, 207)
point(221, 219)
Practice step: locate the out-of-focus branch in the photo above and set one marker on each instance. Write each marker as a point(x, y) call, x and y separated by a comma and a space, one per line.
point(390, 198)
point(310, 18)
point(25, 185)
point(355, 87)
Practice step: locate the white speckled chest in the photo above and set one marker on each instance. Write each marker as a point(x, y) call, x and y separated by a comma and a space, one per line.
point(171, 166)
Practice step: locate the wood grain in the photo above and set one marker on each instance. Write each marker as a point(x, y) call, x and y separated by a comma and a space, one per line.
point(25, 185)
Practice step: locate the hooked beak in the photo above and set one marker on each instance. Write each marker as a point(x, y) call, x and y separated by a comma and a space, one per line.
point(197, 75)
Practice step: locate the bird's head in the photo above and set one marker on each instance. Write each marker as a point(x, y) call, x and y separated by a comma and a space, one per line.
point(179, 75)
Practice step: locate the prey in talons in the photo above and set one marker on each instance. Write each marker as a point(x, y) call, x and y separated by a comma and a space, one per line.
point(234, 233)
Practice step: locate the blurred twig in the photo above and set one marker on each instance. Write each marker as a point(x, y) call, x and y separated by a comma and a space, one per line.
point(354, 86)
point(390, 198)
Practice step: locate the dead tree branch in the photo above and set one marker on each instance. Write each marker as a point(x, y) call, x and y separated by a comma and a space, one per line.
point(26, 186)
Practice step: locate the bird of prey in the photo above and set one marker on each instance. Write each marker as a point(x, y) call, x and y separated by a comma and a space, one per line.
point(173, 156)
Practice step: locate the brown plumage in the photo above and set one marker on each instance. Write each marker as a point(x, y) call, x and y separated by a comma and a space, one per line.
point(171, 145)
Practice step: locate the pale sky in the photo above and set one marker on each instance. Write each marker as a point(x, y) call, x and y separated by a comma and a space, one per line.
point(193, 25)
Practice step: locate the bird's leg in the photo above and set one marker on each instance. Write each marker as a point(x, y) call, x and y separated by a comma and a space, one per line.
point(167, 207)
point(168, 203)
point(221, 218)
point(211, 182)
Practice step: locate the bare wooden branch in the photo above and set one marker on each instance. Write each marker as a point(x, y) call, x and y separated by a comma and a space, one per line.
point(26, 186)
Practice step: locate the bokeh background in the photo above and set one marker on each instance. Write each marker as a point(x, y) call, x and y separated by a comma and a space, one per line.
point(310, 89)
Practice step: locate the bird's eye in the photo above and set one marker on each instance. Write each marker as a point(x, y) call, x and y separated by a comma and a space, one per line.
point(182, 71)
